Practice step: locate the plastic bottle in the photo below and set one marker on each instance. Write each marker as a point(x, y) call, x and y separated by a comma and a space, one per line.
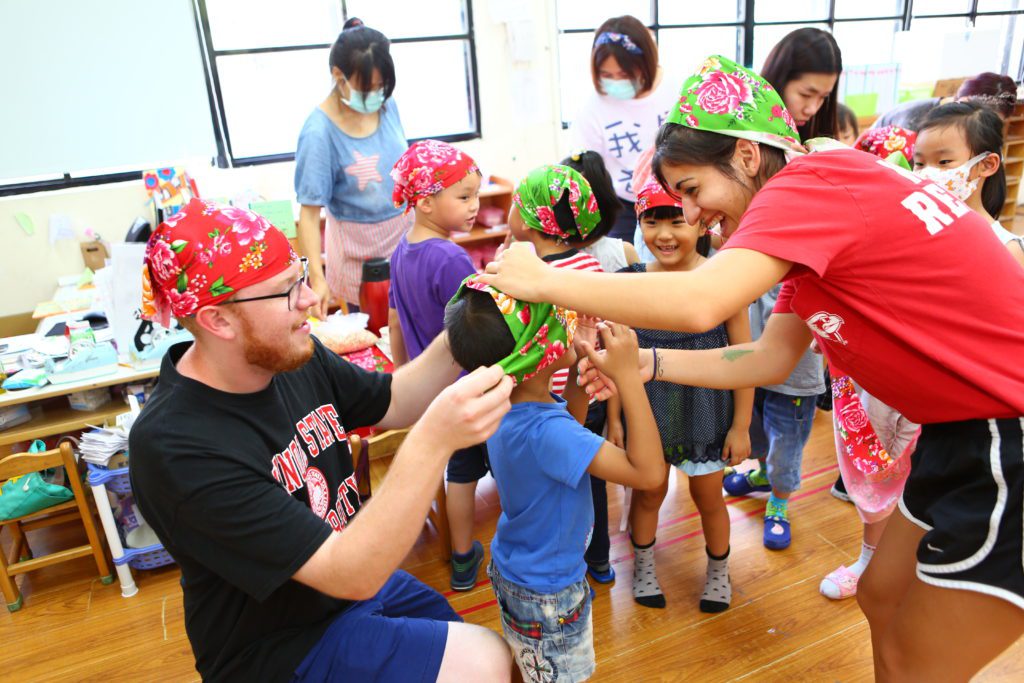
point(373, 292)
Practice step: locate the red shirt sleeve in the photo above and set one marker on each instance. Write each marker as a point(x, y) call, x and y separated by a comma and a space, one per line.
point(783, 304)
point(801, 216)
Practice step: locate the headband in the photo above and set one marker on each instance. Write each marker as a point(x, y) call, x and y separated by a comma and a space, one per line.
point(544, 187)
point(426, 168)
point(621, 39)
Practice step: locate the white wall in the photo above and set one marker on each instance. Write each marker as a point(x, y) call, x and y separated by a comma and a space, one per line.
point(520, 124)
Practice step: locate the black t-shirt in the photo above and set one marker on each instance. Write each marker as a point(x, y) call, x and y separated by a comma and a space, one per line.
point(242, 489)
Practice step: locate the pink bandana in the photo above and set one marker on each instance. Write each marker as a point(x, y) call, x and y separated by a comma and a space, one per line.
point(426, 168)
point(652, 194)
point(203, 254)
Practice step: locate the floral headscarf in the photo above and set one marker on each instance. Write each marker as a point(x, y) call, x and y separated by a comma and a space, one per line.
point(726, 98)
point(543, 187)
point(426, 168)
point(652, 194)
point(543, 332)
point(202, 254)
point(892, 143)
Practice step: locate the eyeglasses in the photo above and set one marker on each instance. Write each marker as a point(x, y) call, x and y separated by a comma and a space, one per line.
point(292, 294)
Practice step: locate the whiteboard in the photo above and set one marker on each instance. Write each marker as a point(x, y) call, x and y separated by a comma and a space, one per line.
point(100, 86)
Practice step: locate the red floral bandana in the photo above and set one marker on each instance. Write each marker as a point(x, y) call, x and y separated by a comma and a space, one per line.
point(425, 169)
point(652, 194)
point(202, 254)
point(888, 140)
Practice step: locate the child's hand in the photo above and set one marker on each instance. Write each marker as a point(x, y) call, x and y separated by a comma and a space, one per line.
point(737, 446)
point(620, 358)
point(616, 433)
point(586, 331)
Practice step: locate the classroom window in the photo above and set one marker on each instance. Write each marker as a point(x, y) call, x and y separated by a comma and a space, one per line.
point(276, 54)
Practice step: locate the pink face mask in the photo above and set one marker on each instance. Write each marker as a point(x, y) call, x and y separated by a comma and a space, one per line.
point(955, 180)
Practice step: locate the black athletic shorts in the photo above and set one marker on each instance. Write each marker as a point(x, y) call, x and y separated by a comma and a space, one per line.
point(468, 465)
point(966, 490)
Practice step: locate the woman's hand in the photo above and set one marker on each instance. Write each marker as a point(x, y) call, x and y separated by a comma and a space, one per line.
point(323, 293)
point(737, 446)
point(518, 272)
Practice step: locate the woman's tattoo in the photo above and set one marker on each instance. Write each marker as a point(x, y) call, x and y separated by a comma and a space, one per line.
point(735, 354)
point(659, 363)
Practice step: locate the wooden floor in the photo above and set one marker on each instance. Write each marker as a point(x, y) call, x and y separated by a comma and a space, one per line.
point(73, 628)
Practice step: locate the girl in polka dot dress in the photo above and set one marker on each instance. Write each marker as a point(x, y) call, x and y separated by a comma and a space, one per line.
point(702, 430)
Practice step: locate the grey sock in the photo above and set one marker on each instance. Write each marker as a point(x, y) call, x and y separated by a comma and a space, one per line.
point(717, 587)
point(646, 589)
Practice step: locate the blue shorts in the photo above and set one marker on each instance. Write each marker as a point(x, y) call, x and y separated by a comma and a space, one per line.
point(397, 635)
point(551, 634)
point(779, 430)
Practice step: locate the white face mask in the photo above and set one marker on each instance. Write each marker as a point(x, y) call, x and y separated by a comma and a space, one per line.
point(955, 180)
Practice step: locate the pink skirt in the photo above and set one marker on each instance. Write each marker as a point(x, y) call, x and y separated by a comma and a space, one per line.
point(873, 443)
point(349, 244)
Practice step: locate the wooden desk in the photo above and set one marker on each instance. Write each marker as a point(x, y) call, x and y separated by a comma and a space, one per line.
point(51, 413)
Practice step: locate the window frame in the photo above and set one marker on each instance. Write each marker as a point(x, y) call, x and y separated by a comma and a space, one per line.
point(747, 23)
point(223, 157)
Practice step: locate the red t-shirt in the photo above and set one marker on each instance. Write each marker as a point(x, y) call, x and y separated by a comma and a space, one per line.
point(905, 287)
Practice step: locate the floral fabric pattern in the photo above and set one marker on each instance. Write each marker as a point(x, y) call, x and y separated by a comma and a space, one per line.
point(426, 168)
point(726, 98)
point(891, 143)
point(653, 195)
point(543, 332)
point(202, 254)
point(544, 187)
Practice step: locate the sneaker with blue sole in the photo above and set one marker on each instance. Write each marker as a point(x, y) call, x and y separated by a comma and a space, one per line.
point(602, 577)
point(738, 484)
point(777, 535)
point(464, 573)
point(96, 361)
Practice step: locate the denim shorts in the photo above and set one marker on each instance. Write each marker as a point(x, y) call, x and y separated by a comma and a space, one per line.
point(779, 429)
point(551, 635)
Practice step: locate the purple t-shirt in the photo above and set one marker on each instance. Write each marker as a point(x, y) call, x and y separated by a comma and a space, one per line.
point(424, 277)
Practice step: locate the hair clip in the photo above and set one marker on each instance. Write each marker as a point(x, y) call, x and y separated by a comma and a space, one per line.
point(621, 39)
point(577, 154)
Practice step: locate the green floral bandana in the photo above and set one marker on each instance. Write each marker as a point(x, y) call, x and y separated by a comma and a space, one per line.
point(543, 332)
point(543, 187)
point(726, 98)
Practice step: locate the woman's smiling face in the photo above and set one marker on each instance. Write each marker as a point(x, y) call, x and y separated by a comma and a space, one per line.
point(708, 195)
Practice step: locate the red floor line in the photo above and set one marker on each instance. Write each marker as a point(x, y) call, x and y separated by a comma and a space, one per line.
point(671, 541)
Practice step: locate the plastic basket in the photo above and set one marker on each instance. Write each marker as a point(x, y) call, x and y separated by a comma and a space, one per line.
point(150, 557)
point(115, 480)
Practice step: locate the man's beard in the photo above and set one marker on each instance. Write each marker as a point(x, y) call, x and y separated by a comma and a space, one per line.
point(263, 351)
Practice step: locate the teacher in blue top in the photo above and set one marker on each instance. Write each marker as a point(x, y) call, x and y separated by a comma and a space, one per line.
point(345, 153)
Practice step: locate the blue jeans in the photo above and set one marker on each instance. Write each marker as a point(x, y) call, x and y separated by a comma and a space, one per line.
point(397, 635)
point(779, 429)
point(551, 635)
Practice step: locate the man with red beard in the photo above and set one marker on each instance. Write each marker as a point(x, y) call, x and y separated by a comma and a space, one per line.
point(240, 463)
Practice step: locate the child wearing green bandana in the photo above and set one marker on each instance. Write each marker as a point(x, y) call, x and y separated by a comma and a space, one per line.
point(542, 458)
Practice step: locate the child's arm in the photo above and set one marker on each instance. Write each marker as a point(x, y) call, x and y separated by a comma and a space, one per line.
point(399, 356)
point(616, 432)
point(737, 442)
point(641, 465)
point(575, 397)
point(631, 254)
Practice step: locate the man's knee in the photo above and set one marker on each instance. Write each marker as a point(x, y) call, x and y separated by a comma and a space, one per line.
point(475, 653)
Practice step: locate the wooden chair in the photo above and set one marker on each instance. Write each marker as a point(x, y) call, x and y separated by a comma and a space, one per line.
point(387, 443)
point(21, 559)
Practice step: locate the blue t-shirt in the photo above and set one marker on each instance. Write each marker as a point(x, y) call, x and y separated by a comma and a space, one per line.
point(424, 277)
point(350, 176)
point(539, 458)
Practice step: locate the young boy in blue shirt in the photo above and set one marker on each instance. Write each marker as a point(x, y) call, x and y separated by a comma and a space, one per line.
point(541, 458)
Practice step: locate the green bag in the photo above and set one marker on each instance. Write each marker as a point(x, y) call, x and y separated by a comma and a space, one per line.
point(30, 493)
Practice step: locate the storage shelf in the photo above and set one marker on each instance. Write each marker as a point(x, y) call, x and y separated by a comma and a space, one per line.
point(50, 420)
point(479, 235)
point(123, 375)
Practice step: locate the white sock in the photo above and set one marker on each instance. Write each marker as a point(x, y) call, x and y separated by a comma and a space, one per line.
point(866, 552)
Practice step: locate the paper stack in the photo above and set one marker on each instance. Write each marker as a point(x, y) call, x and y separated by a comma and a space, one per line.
point(98, 446)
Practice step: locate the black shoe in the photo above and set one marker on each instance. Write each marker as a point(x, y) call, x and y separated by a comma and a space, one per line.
point(839, 490)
